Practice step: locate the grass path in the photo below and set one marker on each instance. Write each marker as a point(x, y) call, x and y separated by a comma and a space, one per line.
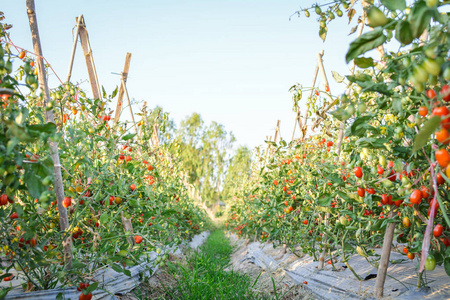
point(202, 275)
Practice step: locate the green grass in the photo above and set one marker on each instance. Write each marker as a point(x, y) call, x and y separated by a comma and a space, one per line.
point(202, 275)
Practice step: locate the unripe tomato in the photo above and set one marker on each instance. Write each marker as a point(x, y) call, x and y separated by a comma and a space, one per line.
point(432, 67)
point(406, 222)
point(430, 263)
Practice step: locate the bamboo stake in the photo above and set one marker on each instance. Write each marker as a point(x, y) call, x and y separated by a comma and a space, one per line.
point(129, 103)
point(124, 75)
point(327, 216)
point(74, 48)
point(49, 117)
point(316, 72)
point(385, 255)
point(84, 39)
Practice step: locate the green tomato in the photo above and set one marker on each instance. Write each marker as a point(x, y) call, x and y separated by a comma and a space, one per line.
point(339, 13)
point(350, 110)
point(432, 67)
point(362, 107)
point(420, 74)
point(432, 3)
point(318, 10)
point(430, 263)
point(376, 17)
point(447, 74)
point(307, 13)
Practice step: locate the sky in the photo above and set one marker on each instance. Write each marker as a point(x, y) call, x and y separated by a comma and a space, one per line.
point(231, 61)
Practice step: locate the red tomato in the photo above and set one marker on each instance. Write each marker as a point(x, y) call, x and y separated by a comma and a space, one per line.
point(416, 197)
point(358, 172)
point(438, 229)
point(431, 94)
point(445, 93)
point(361, 192)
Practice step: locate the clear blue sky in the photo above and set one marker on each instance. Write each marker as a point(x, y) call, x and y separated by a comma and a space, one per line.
point(231, 61)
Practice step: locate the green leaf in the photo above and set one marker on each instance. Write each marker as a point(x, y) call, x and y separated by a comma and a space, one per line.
point(403, 33)
point(114, 93)
point(324, 200)
point(371, 143)
point(447, 265)
point(91, 287)
point(394, 4)
point(104, 92)
point(104, 218)
point(397, 104)
point(364, 43)
point(364, 62)
point(36, 130)
point(34, 174)
point(419, 18)
point(425, 132)
point(128, 136)
point(345, 197)
point(339, 78)
point(323, 33)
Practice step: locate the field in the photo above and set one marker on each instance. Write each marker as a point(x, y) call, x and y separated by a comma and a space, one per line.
point(92, 205)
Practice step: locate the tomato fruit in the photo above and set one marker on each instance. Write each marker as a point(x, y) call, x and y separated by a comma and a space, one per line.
point(438, 229)
point(416, 197)
point(430, 263)
point(361, 192)
point(358, 172)
point(137, 239)
point(425, 192)
point(431, 94)
point(411, 255)
point(445, 93)
point(132, 187)
point(406, 222)
point(442, 157)
point(443, 136)
point(67, 202)
point(423, 111)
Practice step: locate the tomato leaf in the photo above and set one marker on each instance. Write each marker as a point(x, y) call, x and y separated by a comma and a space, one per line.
point(425, 132)
point(447, 265)
point(324, 200)
point(339, 78)
point(351, 13)
point(128, 136)
point(34, 174)
point(364, 62)
point(394, 4)
point(364, 43)
point(92, 287)
point(419, 18)
point(403, 33)
point(323, 33)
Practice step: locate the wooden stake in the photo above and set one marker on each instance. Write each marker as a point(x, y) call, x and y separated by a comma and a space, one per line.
point(305, 127)
point(84, 39)
point(385, 255)
point(124, 75)
point(49, 118)
point(129, 104)
point(74, 48)
point(127, 227)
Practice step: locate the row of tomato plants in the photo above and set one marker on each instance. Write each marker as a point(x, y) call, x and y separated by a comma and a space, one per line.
point(108, 173)
point(338, 196)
